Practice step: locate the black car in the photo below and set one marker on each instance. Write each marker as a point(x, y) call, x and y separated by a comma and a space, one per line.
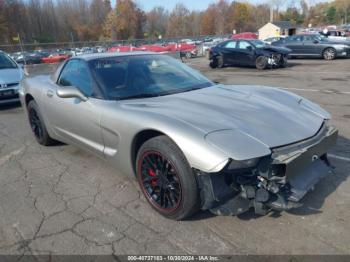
point(31, 58)
point(244, 52)
point(308, 45)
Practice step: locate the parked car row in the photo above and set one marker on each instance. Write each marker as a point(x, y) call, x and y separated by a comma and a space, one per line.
point(186, 50)
point(53, 56)
point(37, 57)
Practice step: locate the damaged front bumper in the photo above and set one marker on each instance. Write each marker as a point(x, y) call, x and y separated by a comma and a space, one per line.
point(278, 182)
point(277, 60)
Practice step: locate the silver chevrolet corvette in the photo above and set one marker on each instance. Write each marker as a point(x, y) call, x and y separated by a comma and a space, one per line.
point(191, 143)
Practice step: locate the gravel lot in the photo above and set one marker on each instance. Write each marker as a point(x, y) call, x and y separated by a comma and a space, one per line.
point(61, 200)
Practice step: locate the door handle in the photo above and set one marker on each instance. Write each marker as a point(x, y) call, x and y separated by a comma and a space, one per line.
point(49, 93)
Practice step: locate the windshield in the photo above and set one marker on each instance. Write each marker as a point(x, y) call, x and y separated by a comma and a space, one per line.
point(321, 38)
point(145, 76)
point(258, 43)
point(6, 62)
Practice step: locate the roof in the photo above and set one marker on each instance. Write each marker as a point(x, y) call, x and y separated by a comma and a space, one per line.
point(283, 24)
point(89, 57)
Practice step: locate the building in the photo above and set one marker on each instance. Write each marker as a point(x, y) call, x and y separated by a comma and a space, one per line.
point(278, 28)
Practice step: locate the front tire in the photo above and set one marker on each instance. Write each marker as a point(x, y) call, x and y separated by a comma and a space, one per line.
point(261, 62)
point(166, 179)
point(38, 126)
point(329, 54)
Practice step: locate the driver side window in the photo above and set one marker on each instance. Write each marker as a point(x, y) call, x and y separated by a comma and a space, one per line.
point(243, 45)
point(76, 73)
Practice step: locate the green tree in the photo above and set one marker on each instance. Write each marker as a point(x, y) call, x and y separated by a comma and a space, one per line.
point(126, 21)
point(331, 15)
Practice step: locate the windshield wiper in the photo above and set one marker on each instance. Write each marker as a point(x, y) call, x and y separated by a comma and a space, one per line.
point(138, 96)
point(7, 67)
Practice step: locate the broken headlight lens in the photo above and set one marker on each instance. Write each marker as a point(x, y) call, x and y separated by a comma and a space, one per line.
point(243, 164)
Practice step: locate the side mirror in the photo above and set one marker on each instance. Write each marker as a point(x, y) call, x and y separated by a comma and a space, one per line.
point(250, 48)
point(70, 92)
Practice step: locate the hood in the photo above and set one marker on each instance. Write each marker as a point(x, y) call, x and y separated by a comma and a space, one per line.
point(281, 50)
point(337, 42)
point(8, 76)
point(269, 115)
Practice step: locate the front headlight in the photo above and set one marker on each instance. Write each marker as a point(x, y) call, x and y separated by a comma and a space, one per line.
point(341, 47)
point(243, 164)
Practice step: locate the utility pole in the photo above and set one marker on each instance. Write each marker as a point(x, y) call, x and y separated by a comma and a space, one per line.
point(21, 46)
point(271, 13)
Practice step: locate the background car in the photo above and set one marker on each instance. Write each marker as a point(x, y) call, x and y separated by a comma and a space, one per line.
point(314, 45)
point(245, 35)
point(246, 52)
point(10, 76)
point(336, 35)
point(28, 58)
point(273, 39)
point(55, 58)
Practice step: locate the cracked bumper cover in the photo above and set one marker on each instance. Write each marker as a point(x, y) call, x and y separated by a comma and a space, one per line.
point(278, 182)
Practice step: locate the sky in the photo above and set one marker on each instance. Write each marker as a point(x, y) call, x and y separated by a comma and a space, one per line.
point(192, 4)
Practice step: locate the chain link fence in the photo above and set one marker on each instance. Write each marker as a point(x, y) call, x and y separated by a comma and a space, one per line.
point(201, 43)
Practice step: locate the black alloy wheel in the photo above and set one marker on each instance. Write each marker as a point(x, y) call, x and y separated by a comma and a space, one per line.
point(160, 181)
point(166, 179)
point(38, 126)
point(35, 124)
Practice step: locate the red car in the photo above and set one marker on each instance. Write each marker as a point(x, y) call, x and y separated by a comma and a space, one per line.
point(155, 48)
point(185, 49)
point(124, 48)
point(245, 35)
point(54, 58)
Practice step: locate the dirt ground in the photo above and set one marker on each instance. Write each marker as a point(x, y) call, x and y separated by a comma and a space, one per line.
point(61, 200)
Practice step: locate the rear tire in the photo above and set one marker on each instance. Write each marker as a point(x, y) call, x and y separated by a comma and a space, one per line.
point(38, 126)
point(329, 54)
point(213, 64)
point(166, 179)
point(261, 62)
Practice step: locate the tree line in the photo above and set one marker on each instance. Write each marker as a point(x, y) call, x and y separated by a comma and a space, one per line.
point(43, 21)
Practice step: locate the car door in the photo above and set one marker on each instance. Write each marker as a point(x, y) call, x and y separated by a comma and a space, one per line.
point(244, 54)
point(72, 119)
point(309, 45)
point(295, 44)
point(228, 50)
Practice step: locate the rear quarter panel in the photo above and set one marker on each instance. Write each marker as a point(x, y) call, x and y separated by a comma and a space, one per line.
point(35, 87)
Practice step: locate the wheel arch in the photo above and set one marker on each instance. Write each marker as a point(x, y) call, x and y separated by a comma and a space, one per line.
point(139, 139)
point(28, 98)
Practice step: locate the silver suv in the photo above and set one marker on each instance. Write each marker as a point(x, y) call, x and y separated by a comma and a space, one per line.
point(10, 76)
